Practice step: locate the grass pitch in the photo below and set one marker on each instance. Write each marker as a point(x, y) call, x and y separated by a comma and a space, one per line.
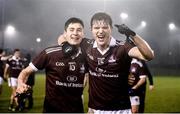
point(163, 99)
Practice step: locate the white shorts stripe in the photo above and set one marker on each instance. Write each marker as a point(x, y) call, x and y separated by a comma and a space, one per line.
point(12, 82)
point(93, 111)
point(1, 80)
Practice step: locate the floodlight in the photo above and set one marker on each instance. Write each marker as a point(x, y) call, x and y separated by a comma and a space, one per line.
point(143, 23)
point(10, 30)
point(38, 40)
point(124, 16)
point(172, 26)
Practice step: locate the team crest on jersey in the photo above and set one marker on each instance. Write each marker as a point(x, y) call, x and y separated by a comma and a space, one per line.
point(112, 59)
point(133, 69)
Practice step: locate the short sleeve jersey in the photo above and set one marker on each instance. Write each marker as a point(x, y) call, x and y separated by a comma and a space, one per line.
point(137, 69)
point(108, 80)
point(64, 78)
point(16, 65)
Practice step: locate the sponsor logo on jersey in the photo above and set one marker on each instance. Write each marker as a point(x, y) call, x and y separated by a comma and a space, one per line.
point(60, 64)
point(71, 84)
point(100, 70)
point(96, 74)
point(71, 78)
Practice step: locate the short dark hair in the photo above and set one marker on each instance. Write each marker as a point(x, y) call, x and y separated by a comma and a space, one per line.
point(73, 20)
point(16, 50)
point(101, 16)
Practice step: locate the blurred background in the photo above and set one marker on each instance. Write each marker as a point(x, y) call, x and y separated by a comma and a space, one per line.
point(33, 25)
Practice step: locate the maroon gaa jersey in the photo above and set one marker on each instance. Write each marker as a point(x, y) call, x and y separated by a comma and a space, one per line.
point(64, 79)
point(16, 65)
point(108, 80)
point(137, 69)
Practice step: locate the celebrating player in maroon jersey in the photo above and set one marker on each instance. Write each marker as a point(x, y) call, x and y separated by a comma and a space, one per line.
point(108, 63)
point(65, 69)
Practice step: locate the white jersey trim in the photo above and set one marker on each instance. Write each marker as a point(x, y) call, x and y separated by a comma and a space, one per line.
point(137, 62)
point(32, 66)
point(50, 50)
point(142, 76)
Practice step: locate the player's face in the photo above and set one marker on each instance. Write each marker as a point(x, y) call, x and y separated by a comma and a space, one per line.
point(101, 32)
point(74, 33)
point(17, 54)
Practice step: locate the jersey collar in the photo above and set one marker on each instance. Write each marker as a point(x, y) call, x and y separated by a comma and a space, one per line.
point(111, 44)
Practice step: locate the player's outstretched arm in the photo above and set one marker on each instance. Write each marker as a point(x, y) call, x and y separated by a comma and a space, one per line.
point(22, 78)
point(4, 58)
point(142, 50)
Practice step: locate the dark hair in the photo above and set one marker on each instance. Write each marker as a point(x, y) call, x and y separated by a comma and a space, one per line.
point(16, 50)
point(101, 16)
point(1, 51)
point(73, 20)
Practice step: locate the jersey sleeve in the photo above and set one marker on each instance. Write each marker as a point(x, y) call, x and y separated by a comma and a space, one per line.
point(128, 46)
point(142, 72)
point(39, 62)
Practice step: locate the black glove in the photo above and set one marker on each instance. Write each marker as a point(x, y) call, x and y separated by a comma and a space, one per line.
point(21, 98)
point(24, 94)
point(123, 29)
point(132, 92)
point(68, 49)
